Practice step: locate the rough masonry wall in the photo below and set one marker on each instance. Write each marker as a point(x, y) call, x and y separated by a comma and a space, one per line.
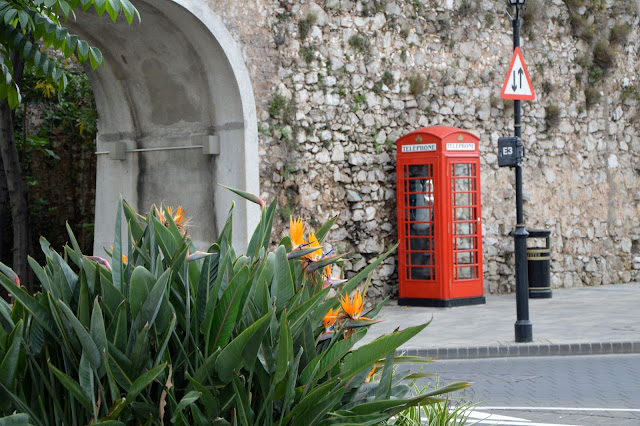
point(337, 82)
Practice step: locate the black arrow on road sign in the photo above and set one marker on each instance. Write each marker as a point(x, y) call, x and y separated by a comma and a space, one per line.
point(519, 72)
point(513, 86)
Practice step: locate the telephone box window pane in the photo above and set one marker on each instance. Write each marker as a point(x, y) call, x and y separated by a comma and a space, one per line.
point(464, 199)
point(420, 193)
point(464, 170)
point(422, 274)
point(424, 215)
point(464, 243)
point(465, 258)
point(421, 170)
point(464, 184)
point(461, 169)
point(463, 214)
point(465, 273)
point(420, 259)
point(465, 229)
point(422, 248)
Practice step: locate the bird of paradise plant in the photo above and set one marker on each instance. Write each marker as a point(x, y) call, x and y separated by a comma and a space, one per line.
point(330, 319)
point(313, 243)
point(204, 338)
point(296, 232)
point(352, 307)
point(124, 257)
point(179, 217)
point(311, 251)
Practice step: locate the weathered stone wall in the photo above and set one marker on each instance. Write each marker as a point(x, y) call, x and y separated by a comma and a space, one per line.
point(337, 82)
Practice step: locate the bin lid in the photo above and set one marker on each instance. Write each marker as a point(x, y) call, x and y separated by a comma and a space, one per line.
point(538, 233)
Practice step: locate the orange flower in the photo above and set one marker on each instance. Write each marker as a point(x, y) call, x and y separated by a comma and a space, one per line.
point(326, 272)
point(352, 307)
point(330, 319)
point(178, 218)
point(373, 370)
point(296, 231)
point(313, 242)
point(124, 258)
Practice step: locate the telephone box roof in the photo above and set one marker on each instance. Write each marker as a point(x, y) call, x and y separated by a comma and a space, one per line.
point(440, 132)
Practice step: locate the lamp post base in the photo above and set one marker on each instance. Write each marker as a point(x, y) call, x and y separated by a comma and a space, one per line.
point(524, 331)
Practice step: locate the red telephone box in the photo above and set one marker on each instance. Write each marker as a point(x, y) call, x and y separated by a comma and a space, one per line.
point(439, 220)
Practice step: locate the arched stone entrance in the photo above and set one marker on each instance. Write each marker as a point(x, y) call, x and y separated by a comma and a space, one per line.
point(170, 85)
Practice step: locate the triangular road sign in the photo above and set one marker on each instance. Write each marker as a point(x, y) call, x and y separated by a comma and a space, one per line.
point(517, 85)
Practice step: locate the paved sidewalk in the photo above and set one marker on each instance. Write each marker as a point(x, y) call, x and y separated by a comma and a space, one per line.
point(584, 320)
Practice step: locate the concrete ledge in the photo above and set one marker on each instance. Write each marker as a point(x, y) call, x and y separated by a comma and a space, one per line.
point(519, 350)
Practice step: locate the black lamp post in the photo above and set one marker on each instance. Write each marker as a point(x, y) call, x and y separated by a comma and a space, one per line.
point(523, 327)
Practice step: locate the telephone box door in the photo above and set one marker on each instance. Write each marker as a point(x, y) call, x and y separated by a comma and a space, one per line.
point(419, 262)
point(465, 225)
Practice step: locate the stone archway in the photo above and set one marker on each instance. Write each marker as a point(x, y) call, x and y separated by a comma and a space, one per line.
point(170, 85)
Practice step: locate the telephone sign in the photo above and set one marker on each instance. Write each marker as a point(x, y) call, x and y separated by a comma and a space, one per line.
point(510, 151)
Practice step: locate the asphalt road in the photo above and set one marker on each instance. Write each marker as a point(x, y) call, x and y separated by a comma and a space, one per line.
point(566, 390)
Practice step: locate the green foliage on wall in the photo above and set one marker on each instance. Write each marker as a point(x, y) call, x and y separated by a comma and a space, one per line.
point(55, 133)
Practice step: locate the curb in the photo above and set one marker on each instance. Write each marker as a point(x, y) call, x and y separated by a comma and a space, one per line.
point(521, 350)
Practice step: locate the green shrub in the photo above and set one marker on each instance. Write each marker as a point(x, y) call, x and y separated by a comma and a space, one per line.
point(619, 33)
point(280, 107)
point(581, 27)
point(574, 4)
point(168, 334)
point(630, 91)
point(551, 116)
point(547, 87)
point(534, 13)
point(358, 99)
point(595, 73)
point(308, 53)
point(387, 78)
point(444, 413)
point(603, 55)
point(488, 19)
point(591, 96)
point(359, 43)
point(417, 84)
point(304, 25)
point(466, 8)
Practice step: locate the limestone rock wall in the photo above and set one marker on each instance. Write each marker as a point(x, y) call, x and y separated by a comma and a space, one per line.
point(337, 82)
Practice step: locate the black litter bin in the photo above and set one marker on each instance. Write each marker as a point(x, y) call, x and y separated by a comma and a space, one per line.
point(539, 266)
